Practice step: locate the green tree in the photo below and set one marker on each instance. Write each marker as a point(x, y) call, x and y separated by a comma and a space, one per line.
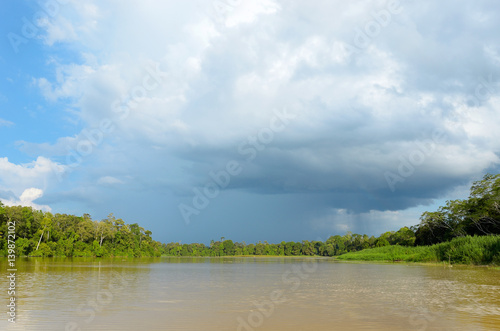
point(404, 237)
point(307, 248)
point(228, 247)
point(259, 248)
point(46, 226)
point(289, 246)
point(381, 242)
point(483, 206)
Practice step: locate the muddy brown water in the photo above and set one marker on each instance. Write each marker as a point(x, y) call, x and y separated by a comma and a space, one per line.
point(247, 294)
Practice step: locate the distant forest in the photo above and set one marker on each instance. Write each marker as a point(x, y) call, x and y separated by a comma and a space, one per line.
point(41, 233)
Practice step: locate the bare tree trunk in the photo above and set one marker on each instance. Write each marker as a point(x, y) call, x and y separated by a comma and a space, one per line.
point(39, 241)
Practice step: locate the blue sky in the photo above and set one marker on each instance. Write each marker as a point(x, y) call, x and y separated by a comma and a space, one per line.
point(263, 120)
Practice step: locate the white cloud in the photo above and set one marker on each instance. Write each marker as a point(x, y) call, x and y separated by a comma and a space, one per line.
point(249, 11)
point(221, 81)
point(69, 82)
point(109, 180)
point(71, 21)
point(5, 122)
point(26, 199)
point(38, 173)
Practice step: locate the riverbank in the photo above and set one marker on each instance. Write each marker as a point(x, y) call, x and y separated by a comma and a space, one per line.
point(477, 250)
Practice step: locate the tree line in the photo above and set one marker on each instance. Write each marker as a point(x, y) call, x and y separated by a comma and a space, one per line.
point(335, 245)
point(40, 233)
point(479, 215)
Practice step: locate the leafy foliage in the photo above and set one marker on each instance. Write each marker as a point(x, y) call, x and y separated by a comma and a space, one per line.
point(335, 245)
point(463, 250)
point(478, 215)
point(40, 233)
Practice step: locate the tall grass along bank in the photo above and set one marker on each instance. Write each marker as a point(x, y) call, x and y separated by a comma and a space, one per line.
point(463, 250)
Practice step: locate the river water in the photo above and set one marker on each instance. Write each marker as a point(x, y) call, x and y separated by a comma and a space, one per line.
point(246, 294)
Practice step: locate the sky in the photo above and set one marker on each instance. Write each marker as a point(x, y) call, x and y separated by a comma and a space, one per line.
point(249, 120)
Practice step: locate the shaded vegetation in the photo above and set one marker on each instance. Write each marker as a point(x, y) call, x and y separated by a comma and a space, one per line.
point(335, 245)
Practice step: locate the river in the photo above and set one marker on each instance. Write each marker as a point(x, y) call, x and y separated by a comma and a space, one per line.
point(247, 294)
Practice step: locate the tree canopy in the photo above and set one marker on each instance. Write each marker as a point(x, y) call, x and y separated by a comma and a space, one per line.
point(41, 233)
point(477, 215)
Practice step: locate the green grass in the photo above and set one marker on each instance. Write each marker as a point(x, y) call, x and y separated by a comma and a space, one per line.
point(463, 250)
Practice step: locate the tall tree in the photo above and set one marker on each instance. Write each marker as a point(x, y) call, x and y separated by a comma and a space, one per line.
point(46, 225)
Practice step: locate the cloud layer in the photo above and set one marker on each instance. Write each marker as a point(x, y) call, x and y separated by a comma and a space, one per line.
point(165, 93)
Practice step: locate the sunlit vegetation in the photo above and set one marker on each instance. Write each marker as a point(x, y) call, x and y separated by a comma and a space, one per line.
point(462, 250)
point(477, 215)
point(41, 233)
point(463, 231)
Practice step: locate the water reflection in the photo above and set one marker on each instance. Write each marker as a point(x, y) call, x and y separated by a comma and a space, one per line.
point(249, 294)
